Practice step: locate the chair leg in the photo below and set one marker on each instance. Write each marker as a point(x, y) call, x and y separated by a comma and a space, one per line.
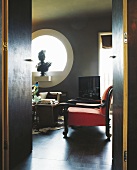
point(108, 129)
point(65, 114)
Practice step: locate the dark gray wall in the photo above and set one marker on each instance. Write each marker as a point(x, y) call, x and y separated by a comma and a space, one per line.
point(19, 81)
point(82, 34)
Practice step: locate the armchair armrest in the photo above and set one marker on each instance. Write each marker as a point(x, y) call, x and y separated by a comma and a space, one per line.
point(85, 105)
point(84, 100)
point(88, 105)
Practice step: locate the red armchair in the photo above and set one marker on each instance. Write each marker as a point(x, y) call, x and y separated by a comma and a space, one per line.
point(86, 114)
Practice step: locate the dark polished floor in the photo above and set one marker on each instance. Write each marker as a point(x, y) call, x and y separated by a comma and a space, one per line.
point(85, 149)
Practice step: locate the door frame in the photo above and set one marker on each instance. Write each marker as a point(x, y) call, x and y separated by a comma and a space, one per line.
point(125, 86)
point(5, 115)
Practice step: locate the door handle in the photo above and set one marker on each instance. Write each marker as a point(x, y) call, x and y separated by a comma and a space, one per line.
point(113, 56)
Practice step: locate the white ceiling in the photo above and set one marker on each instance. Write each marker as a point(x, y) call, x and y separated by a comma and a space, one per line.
point(43, 10)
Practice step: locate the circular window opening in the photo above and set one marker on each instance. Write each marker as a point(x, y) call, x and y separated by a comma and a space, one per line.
point(55, 52)
point(58, 52)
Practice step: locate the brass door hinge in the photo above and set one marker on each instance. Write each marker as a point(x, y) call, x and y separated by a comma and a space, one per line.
point(125, 156)
point(125, 37)
point(5, 46)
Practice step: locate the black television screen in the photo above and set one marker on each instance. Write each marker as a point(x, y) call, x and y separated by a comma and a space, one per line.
point(89, 87)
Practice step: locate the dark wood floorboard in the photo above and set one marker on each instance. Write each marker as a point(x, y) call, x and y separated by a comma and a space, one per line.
point(85, 149)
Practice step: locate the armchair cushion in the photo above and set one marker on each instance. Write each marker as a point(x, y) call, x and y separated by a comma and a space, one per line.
point(48, 101)
point(43, 95)
point(82, 117)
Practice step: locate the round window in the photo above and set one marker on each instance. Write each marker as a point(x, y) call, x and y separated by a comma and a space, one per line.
point(58, 52)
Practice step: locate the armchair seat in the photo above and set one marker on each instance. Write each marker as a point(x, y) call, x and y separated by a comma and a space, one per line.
point(82, 117)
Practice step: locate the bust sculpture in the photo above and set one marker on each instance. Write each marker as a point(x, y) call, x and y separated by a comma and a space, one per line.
point(42, 66)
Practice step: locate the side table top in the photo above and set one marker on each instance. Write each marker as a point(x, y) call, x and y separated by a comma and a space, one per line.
point(46, 104)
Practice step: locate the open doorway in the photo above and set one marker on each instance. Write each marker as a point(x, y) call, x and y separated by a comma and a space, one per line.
point(105, 61)
point(106, 67)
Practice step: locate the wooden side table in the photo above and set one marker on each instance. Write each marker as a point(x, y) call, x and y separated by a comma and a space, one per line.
point(47, 114)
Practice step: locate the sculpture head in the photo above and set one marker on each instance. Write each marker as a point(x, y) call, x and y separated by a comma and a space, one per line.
point(42, 66)
point(41, 55)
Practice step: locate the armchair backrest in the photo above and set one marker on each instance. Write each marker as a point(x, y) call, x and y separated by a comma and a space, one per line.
point(50, 95)
point(106, 98)
point(54, 95)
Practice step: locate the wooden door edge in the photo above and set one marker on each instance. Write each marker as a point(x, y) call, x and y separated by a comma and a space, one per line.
point(5, 116)
point(125, 84)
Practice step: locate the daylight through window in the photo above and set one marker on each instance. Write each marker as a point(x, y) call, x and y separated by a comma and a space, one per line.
point(55, 52)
